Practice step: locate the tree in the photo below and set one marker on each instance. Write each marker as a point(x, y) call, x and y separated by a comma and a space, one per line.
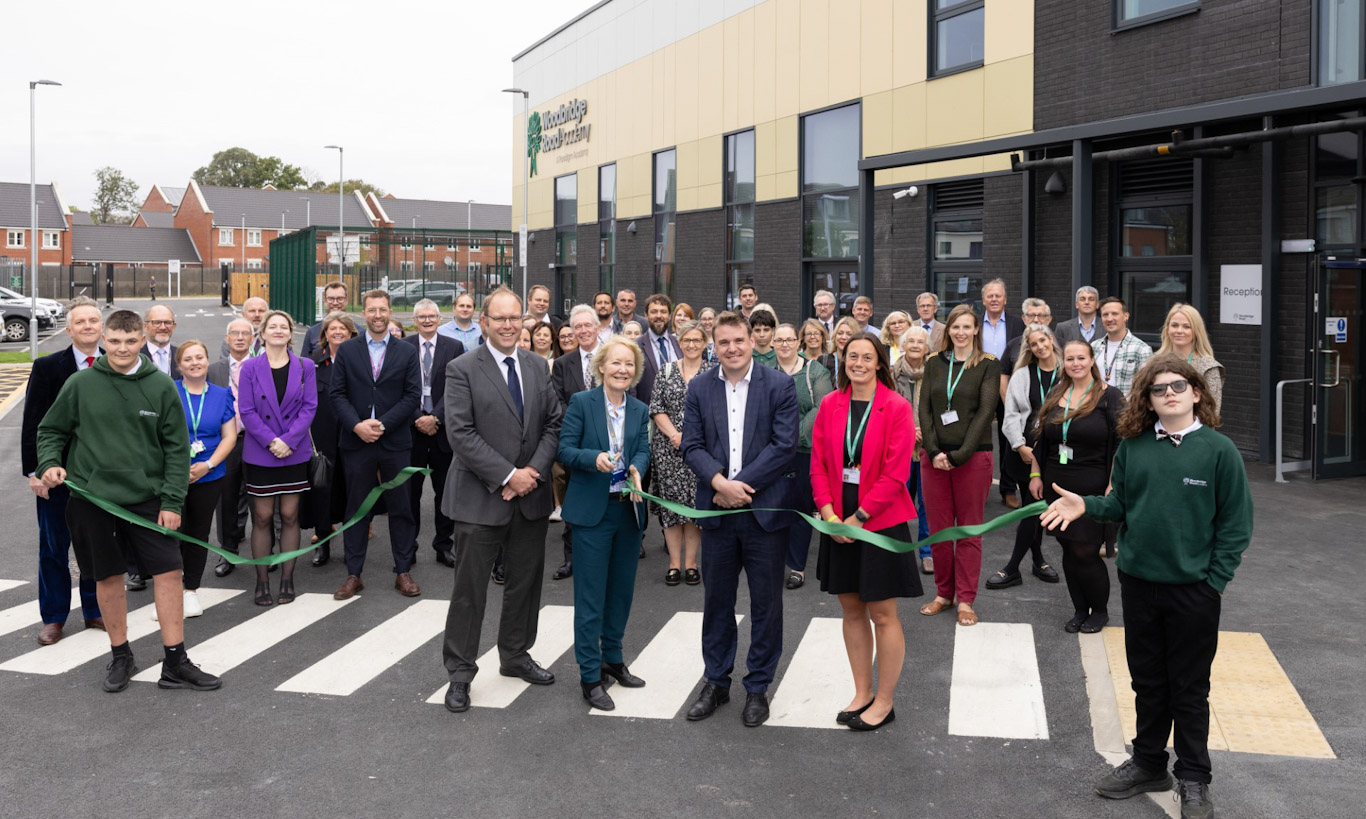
point(351, 185)
point(115, 196)
point(240, 168)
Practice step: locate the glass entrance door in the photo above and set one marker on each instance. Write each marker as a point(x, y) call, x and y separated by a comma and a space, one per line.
point(1339, 414)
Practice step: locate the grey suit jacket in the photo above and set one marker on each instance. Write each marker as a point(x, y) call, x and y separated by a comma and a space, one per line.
point(1070, 330)
point(936, 332)
point(220, 373)
point(488, 440)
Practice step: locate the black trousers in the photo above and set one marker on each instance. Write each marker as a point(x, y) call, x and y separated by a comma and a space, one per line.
point(195, 520)
point(1171, 633)
point(362, 465)
point(427, 453)
point(1014, 471)
point(232, 502)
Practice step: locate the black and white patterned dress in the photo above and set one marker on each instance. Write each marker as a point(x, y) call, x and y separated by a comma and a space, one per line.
point(671, 479)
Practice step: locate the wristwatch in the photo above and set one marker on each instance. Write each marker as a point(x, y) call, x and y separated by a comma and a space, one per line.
point(861, 515)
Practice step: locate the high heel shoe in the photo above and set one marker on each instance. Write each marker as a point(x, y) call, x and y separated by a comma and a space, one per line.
point(263, 593)
point(286, 594)
point(856, 722)
point(843, 717)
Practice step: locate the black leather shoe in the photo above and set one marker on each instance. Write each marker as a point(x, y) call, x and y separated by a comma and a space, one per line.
point(795, 579)
point(622, 675)
point(597, 696)
point(707, 700)
point(499, 575)
point(856, 722)
point(1046, 573)
point(1128, 779)
point(843, 717)
point(1001, 580)
point(566, 570)
point(445, 559)
point(1194, 799)
point(322, 554)
point(135, 582)
point(458, 697)
point(223, 569)
point(530, 672)
point(756, 711)
point(1095, 622)
point(1074, 625)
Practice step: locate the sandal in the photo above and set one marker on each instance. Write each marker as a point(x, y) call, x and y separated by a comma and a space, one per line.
point(967, 617)
point(936, 606)
point(263, 593)
point(286, 594)
point(692, 577)
point(673, 577)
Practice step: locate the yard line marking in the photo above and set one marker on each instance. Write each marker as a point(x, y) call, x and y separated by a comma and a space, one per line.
point(671, 664)
point(345, 670)
point(554, 636)
point(84, 646)
point(816, 682)
point(996, 690)
point(224, 652)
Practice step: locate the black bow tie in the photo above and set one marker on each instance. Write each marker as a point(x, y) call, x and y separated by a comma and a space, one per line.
point(1174, 437)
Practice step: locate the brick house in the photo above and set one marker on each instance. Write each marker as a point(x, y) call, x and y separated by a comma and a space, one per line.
point(449, 223)
point(15, 222)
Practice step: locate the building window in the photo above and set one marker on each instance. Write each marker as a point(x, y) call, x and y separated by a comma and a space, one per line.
point(52, 240)
point(429, 267)
point(666, 219)
point(14, 238)
point(253, 237)
point(225, 236)
point(406, 242)
point(738, 191)
point(607, 227)
point(1153, 235)
point(474, 240)
point(1337, 210)
point(1340, 36)
point(831, 143)
point(957, 35)
point(1139, 12)
point(450, 247)
point(566, 220)
point(428, 245)
point(253, 264)
point(956, 242)
point(474, 267)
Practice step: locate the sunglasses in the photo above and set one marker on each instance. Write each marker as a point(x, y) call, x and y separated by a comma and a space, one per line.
point(1158, 390)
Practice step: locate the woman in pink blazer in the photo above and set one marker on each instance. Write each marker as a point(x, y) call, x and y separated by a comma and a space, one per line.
point(861, 452)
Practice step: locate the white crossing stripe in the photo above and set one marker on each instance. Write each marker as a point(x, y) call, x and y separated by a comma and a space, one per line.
point(6, 585)
point(26, 614)
point(996, 690)
point(84, 646)
point(224, 652)
point(817, 682)
point(554, 636)
point(345, 670)
point(671, 665)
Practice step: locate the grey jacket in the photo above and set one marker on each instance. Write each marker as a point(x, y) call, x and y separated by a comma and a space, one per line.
point(1017, 420)
point(1070, 330)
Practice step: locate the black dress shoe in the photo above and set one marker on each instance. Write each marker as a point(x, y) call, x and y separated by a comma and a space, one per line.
point(530, 672)
point(843, 717)
point(566, 570)
point(756, 711)
point(622, 675)
point(1073, 625)
point(499, 575)
point(135, 582)
point(1095, 622)
point(1001, 580)
point(223, 569)
point(597, 696)
point(445, 559)
point(458, 697)
point(322, 554)
point(1046, 573)
point(795, 579)
point(710, 697)
point(856, 722)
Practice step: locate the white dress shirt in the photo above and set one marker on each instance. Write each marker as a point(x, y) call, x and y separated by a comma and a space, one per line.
point(586, 364)
point(80, 357)
point(737, 396)
point(502, 358)
point(161, 356)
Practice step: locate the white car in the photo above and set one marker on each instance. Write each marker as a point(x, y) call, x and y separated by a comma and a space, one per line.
point(55, 308)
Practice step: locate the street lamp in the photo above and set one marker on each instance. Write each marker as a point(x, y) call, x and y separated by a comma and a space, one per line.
point(526, 180)
point(469, 209)
point(33, 214)
point(308, 210)
point(412, 250)
point(282, 221)
point(341, 219)
point(244, 243)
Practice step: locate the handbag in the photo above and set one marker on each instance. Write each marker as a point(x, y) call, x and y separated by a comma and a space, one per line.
point(319, 466)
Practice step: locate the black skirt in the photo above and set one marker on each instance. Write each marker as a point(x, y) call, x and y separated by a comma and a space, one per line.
point(862, 568)
point(268, 481)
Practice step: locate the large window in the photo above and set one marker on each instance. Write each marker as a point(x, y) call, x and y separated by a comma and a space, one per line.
point(739, 202)
point(566, 220)
point(607, 227)
point(831, 144)
point(1138, 12)
point(1337, 208)
point(666, 219)
point(1342, 27)
point(957, 34)
point(1153, 237)
point(956, 242)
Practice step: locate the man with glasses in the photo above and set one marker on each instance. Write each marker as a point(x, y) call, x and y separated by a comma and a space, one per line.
point(573, 373)
point(463, 327)
point(254, 311)
point(824, 302)
point(430, 447)
point(160, 323)
point(1036, 311)
point(334, 301)
point(232, 505)
point(926, 312)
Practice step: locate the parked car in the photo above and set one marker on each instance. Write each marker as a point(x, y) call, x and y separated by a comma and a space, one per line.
point(15, 321)
point(56, 308)
point(443, 293)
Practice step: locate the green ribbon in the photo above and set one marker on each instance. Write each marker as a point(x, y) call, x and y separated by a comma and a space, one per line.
point(269, 560)
point(858, 533)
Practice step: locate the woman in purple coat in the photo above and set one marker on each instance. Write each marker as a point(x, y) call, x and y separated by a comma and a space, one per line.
point(278, 396)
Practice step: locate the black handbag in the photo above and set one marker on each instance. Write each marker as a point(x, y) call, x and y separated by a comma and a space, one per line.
point(319, 466)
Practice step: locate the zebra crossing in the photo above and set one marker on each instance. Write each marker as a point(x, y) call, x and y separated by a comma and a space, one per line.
point(995, 689)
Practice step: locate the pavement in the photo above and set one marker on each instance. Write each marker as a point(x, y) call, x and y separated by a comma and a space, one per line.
point(325, 710)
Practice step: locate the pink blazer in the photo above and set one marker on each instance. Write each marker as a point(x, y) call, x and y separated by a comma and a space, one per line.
point(888, 446)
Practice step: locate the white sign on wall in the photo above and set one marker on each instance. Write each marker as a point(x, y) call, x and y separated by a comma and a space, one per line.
point(1240, 294)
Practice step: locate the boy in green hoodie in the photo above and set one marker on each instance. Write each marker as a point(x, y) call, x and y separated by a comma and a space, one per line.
point(1180, 494)
point(128, 442)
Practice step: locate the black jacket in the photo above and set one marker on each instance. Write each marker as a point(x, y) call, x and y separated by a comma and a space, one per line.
point(393, 397)
point(446, 348)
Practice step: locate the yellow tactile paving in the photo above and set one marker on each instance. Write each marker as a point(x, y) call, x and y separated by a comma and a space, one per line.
point(1254, 708)
point(13, 382)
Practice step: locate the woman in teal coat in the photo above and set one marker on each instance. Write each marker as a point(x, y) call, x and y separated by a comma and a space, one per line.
point(605, 446)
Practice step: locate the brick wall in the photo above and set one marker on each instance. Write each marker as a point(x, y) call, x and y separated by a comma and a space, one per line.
point(778, 259)
point(899, 252)
point(1001, 236)
point(700, 273)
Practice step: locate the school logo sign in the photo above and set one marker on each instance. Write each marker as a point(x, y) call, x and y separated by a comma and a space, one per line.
point(533, 138)
point(568, 128)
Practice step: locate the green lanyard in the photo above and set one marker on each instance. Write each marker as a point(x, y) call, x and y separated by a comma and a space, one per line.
point(194, 416)
point(953, 382)
point(1052, 379)
point(848, 428)
point(1067, 422)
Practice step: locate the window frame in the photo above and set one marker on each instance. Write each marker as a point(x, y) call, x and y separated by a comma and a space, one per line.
point(51, 240)
point(250, 242)
point(1319, 183)
point(10, 235)
point(973, 268)
point(1122, 267)
point(255, 265)
point(832, 269)
point(1317, 45)
point(230, 233)
point(563, 230)
point(738, 271)
point(607, 226)
point(664, 225)
point(1118, 23)
point(937, 16)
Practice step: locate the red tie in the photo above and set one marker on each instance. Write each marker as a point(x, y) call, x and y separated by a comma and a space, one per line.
point(89, 360)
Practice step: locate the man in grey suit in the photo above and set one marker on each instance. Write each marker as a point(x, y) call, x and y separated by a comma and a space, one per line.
point(232, 504)
point(503, 423)
point(1084, 326)
point(926, 308)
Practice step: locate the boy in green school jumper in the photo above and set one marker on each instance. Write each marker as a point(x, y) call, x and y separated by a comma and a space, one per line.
point(1181, 497)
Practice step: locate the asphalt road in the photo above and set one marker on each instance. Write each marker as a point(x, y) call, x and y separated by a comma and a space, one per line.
point(250, 749)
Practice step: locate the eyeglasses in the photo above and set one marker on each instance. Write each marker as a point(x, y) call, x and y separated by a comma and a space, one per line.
point(503, 320)
point(1038, 318)
point(426, 318)
point(1158, 390)
point(240, 334)
point(691, 341)
point(161, 323)
point(784, 341)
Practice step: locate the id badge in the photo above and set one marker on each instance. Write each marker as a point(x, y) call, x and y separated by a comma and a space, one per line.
point(427, 391)
point(1064, 453)
point(851, 474)
point(949, 417)
point(196, 447)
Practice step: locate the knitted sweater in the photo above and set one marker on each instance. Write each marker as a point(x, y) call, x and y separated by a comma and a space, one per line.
point(975, 396)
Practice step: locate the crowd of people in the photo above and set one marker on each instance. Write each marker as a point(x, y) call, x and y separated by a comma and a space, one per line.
point(525, 418)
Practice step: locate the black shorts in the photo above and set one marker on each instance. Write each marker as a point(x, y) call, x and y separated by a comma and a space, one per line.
point(97, 537)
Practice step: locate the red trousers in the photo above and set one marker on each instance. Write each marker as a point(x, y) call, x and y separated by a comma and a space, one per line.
point(957, 498)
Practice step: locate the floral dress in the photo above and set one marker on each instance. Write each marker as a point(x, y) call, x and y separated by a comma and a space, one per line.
point(671, 479)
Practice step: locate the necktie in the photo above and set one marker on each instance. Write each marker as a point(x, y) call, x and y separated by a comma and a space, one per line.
point(427, 376)
point(587, 372)
point(161, 362)
point(663, 350)
point(233, 370)
point(89, 360)
point(1174, 437)
point(514, 384)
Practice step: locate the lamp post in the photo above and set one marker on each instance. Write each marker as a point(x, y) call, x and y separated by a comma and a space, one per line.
point(308, 210)
point(469, 210)
point(526, 180)
point(412, 237)
point(341, 218)
point(33, 213)
point(244, 243)
point(282, 221)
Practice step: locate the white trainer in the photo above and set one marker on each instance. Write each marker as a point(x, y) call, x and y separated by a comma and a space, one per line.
point(555, 516)
point(193, 608)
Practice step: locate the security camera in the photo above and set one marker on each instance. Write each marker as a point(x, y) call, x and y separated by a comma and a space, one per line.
point(912, 191)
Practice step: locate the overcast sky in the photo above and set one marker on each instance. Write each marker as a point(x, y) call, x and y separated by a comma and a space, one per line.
point(410, 89)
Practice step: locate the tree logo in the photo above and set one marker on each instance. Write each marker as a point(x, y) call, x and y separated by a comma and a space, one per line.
point(533, 138)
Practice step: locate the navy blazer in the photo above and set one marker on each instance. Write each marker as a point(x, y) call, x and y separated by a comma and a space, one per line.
point(645, 389)
point(446, 349)
point(394, 396)
point(770, 439)
point(583, 435)
point(170, 351)
point(45, 380)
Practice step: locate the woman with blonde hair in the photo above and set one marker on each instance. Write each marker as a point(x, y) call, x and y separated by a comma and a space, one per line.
point(893, 327)
point(908, 373)
point(1184, 336)
point(845, 329)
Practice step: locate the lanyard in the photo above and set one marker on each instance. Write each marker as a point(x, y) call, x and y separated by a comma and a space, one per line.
point(856, 436)
point(189, 408)
point(1052, 379)
point(953, 382)
point(1105, 352)
point(378, 366)
point(1066, 421)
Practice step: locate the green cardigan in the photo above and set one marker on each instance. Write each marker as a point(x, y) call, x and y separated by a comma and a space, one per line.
point(975, 397)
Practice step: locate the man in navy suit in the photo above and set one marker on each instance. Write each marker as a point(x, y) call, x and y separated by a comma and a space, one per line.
point(84, 325)
point(658, 341)
point(739, 436)
point(376, 389)
point(430, 447)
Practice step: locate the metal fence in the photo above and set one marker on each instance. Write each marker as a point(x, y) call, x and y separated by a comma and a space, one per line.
point(64, 282)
